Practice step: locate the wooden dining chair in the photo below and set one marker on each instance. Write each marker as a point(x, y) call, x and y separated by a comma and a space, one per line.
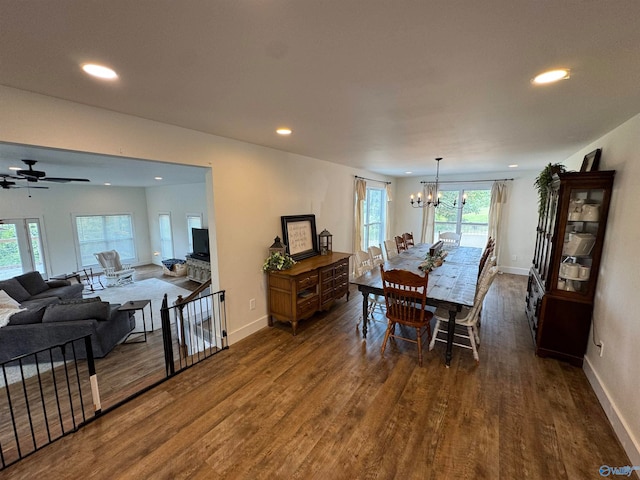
point(487, 253)
point(408, 239)
point(376, 255)
point(405, 295)
point(467, 319)
point(364, 264)
point(400, 245)
point(390, 248)
point(450, 239)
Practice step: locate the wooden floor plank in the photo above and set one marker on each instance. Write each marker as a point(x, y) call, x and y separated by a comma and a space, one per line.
point(326, 404)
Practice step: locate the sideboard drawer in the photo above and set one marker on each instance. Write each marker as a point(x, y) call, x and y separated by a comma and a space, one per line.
point(307, 307)
point(307, 281)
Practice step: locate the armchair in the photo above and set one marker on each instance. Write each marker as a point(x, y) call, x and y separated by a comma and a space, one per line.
point(116, 273)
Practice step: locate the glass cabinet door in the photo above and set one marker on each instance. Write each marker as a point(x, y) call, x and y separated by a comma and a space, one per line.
point(580, 237)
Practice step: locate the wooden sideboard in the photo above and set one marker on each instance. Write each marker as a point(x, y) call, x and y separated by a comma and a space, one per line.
point(311, 285)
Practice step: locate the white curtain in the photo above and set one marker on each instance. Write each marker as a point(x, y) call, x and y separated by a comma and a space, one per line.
point(428, 214)
point(387, 228)
point(361, 195)
point(498, 199)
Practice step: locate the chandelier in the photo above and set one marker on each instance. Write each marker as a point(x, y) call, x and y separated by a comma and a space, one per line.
point(435, 200)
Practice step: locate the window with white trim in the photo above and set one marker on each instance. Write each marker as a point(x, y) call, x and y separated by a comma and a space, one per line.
point(98, 233)
point(166, 236)
point(471, 222)
point(374, 218)
point(193, 221)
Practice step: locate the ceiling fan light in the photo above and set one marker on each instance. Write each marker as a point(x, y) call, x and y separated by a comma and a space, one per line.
point(551, 76)
point(99, 71)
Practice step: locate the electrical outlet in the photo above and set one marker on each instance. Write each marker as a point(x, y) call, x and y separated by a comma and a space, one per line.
point(514, 258)
point(601, 348)
point(252, 304)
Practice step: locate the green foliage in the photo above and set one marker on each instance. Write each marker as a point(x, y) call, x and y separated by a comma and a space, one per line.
point(277, 261)
point(543, 183)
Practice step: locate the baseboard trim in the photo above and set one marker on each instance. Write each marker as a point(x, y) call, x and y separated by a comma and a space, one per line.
point(514, 270)
point(629, 443)
point(246, 330)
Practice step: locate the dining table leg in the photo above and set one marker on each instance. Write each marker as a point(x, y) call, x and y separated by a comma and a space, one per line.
point(365, 311)
point(451, 328)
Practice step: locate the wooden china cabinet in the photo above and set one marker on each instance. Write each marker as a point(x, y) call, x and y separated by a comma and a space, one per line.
point(562, 281)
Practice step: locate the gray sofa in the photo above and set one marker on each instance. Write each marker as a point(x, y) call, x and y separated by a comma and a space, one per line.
point(56, 313)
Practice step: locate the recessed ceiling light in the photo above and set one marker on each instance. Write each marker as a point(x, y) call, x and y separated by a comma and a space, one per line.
point(99, 71)
point(157, 178)
point(283, 131)
point(107, 183)
point(552, 76)
point(513, 165)
point(408, 173)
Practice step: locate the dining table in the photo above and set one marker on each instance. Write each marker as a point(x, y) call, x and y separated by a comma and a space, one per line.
point(451, 285)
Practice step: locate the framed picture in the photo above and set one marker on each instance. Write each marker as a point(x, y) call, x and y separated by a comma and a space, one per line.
point(299, 235)
point(591, 161)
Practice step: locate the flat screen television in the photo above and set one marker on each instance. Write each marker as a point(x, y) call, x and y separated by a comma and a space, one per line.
point(200, 238)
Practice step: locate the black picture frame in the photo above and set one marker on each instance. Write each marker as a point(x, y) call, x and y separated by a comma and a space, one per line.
point(299, 235)
point(591, 161)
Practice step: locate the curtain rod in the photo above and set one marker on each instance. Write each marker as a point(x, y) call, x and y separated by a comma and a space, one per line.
point(472, 181)
point(373, 180)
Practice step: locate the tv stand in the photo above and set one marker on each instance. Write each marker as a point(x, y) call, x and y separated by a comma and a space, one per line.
point(198, 268)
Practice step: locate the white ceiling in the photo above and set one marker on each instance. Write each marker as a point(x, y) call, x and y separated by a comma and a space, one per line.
point(379, 85)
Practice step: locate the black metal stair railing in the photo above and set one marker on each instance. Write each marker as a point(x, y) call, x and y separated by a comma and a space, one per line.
point(44, 396)
point(196, 327)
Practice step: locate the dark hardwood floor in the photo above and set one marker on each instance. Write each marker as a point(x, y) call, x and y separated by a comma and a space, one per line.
point(326, 405)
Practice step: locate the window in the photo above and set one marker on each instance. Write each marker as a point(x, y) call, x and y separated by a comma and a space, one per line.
point(97, 233)
point(374, 220)
point(472, 222)
point(193, 221)
point(166, 236)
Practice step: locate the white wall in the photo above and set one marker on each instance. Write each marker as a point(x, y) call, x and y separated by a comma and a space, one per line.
point(56, 206)
point(178, 201)
point(249, 189)
point(519, 215)
point(616, 375)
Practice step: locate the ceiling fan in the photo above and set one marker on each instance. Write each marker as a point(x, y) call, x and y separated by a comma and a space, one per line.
point(7, 184)
point(32, 175)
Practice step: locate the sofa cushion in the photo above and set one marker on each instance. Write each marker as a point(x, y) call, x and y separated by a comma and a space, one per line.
point(76, 311)
point(33, 314)
point(14, 289)
point(66, 292)
point(33, 282)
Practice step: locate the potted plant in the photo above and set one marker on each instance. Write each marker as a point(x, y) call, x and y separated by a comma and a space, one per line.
point(278, 261)
point(543, 183)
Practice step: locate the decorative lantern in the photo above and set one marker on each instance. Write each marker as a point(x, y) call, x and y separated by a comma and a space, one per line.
point(278, 247)
point(325, 242)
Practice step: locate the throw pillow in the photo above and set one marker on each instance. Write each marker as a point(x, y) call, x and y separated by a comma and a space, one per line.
point(7, 301)
point(15, 290)
point(76, 311)
point(33, 282)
